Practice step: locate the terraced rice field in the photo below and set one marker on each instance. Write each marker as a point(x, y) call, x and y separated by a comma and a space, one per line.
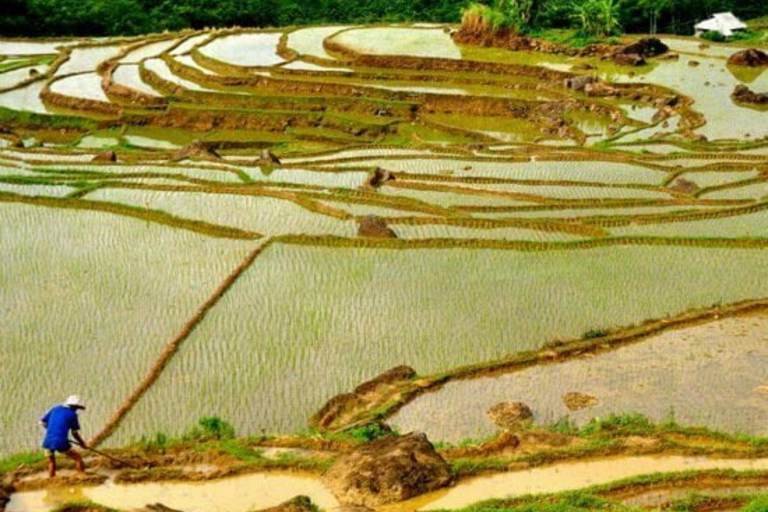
point(729, 352)
point(226, 223)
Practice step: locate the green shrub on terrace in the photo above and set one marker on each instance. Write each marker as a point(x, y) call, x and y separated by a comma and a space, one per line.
point(714, 36)
point(14, 461)
point(211, 427)
point(594, 333)
point(626, 423)
point(370, 432)
point(759, 504)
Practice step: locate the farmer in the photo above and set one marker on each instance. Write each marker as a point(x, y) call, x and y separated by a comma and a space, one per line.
point(58, 423)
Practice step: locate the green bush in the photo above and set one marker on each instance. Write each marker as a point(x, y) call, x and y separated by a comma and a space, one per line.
point(594, 333)
point(626, 423)
point(714, 36)
point(211, 427)
point(370, 432)
point(757, 505)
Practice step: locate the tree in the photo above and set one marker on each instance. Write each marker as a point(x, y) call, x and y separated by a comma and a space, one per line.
point(598, 18)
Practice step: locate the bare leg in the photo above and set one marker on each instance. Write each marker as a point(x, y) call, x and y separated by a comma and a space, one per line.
point(72, 454)
point(51, 465)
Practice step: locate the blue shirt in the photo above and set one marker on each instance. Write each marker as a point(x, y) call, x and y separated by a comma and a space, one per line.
point(59, 421)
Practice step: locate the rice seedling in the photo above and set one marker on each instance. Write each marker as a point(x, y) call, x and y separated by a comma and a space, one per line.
point(114, 271)
point(264, 215)
point(246, 346)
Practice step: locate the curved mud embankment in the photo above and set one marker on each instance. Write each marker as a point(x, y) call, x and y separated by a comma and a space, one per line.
point(257, 491)
point(576, 475)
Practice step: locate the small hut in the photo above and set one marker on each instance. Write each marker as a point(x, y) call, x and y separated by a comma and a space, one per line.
point(726, 23)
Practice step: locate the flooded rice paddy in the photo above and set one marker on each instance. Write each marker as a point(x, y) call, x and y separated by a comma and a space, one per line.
point(455, 307)
point(525, 213)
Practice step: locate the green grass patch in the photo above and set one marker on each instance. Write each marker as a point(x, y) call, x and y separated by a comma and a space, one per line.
point(20, 459)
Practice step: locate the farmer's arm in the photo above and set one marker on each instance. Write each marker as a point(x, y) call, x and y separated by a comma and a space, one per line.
point(79, 439)
point(44, 420)
point(75, 427)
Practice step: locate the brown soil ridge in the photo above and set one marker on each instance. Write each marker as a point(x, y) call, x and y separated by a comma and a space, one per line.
point(173, 347)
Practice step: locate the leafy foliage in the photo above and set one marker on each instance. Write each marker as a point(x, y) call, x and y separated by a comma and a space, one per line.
point(598, 18)
point(30, 18)
point(212, 427)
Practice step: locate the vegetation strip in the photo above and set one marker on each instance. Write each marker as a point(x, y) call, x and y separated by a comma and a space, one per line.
point(135, 212)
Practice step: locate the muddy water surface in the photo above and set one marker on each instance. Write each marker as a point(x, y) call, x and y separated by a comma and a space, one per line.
point(240, 494)
point(571, 476)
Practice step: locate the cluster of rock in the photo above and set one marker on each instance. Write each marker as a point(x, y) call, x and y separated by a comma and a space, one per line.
point(750, 58)
point(511, 415)
point(744, 94)
point(576, 401)
point(377, 178)
point(635, 54)
point(196, 150)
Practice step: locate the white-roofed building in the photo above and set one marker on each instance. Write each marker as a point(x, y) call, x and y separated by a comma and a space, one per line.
point(724, 22)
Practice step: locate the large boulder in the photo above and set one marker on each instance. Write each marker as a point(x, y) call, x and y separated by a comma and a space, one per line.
point(105, 156)
point(268, 158)
point(576, 401)
point(684, 186)
point(511, 415)
point(628, 59)
point(751, 57)
point(377, 178)
point(578, 83)
point(388, 470)
point(645, 47)
point(744, 94)
point(196, 150)
point(372, 226)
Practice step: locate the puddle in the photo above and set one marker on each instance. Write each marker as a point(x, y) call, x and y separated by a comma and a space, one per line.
point(659, 497)
point(309, 41)
point(710, 85)
point(565, 477)
point(238, 494)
